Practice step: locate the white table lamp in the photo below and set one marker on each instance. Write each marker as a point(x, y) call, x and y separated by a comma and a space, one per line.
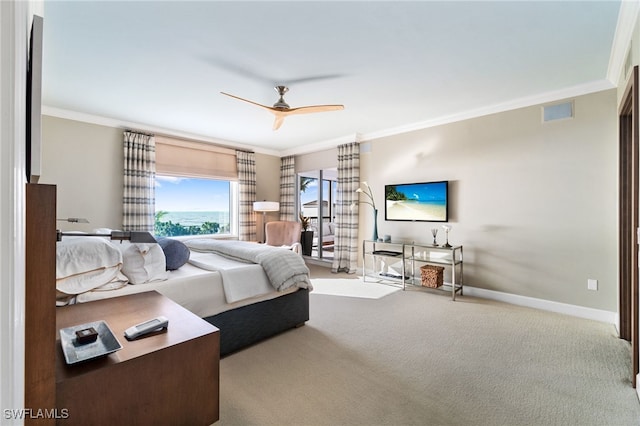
point(264, 207)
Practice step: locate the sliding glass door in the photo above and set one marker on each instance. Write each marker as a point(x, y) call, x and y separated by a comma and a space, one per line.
point(317, 195)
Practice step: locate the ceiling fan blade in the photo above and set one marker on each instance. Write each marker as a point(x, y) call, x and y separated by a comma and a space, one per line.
point(312, 78)
point(245, 70)
point(281, 109)
point(313, 108)
point(246, 100)
point(278, 121)
point(282, 113)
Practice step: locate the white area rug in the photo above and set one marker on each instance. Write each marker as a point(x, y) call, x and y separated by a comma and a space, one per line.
point(351, 288)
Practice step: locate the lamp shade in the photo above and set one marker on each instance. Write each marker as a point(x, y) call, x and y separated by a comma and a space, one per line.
point(266, 206)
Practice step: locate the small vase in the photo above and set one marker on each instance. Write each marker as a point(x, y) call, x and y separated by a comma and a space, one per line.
point(375, 225)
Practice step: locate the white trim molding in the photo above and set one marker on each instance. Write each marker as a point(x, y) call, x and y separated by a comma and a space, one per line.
point(15, 25)
point(113, 122)
point(627, 18)
point(531, 302)
point(545, 305)
point(539, 99)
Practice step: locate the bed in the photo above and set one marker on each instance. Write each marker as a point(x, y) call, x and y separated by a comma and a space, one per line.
point(249, 291)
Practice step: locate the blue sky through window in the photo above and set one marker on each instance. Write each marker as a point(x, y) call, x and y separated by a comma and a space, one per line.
point(311, 193)
point(178, 194)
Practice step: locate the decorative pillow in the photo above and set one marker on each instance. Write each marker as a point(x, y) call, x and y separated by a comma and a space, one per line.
point(142, 263)
point(85, 263)
point(102, 231)
point(175, 251)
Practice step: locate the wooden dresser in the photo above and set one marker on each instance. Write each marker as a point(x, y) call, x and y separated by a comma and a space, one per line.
point(171, 377)
point(40, 306)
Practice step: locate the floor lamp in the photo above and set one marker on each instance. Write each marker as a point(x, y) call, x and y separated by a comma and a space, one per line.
point(264, 207)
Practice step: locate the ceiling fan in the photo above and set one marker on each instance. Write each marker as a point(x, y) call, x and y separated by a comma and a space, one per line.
point(281, 109)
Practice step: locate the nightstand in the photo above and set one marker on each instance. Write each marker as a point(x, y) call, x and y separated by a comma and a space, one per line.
point(171, 377)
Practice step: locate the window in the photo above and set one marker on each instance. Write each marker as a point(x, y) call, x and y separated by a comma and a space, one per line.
point(194, 206)
point(196, 188)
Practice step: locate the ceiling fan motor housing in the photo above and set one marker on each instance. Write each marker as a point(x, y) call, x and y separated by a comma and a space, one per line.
point(281, 103)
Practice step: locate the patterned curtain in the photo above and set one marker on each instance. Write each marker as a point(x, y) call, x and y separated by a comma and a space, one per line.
point(346, 234)
point(288, 188)
point(138, 202)
point(246, 195)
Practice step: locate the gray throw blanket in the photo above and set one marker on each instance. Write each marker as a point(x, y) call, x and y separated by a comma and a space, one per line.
point(283, 267)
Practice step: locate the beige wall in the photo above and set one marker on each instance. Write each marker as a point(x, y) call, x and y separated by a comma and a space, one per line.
point(320, 160)
point(535, 205)
point(267, 188)
point(85, 161)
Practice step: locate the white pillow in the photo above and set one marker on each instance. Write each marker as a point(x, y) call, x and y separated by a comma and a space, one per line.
point(143, 263)
point(102, 231)
point(85, 263)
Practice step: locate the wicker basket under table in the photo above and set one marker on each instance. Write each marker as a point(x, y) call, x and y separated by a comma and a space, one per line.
point(431, 275)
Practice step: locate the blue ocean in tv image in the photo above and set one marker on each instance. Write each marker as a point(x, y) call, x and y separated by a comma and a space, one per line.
point(420, 201)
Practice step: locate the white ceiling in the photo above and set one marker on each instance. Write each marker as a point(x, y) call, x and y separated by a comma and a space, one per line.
point(396, 66)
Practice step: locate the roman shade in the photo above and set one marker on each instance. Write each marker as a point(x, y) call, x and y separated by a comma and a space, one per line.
point(179, 157)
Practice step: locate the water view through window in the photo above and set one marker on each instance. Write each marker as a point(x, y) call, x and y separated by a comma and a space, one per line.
point(192, 206)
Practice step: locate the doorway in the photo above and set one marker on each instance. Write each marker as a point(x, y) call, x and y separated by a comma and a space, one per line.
point(317, 191)
point(628, 218)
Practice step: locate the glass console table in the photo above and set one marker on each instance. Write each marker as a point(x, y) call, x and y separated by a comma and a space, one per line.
point(399, 263)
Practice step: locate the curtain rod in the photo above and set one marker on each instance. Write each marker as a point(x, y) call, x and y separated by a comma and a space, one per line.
point(139, 131)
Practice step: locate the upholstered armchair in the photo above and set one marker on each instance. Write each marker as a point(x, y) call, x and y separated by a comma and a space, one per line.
point(284, 234)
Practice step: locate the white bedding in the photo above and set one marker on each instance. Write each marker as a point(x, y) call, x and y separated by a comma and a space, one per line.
point(198, 290)
point(283, 267)
point(209, 284)
point(240, 280)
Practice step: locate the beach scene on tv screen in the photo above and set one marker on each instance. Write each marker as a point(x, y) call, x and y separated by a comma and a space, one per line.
point(419, 201)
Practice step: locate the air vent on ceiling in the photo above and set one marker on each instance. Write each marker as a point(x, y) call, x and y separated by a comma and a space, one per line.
point(555, 112)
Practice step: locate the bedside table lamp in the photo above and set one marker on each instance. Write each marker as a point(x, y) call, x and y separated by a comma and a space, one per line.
point(264, 207)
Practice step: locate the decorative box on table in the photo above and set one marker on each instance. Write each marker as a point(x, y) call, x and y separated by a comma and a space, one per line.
point(431, 275)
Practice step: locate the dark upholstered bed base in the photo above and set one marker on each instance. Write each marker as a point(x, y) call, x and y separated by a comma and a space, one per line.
point(249, 324)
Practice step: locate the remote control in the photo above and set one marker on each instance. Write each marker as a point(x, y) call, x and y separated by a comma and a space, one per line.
point(146, 327)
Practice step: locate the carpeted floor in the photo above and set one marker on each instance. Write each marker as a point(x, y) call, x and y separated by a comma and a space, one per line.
point(417, 358)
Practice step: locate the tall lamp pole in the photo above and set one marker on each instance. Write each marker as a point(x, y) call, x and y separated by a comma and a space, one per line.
point(264, 207)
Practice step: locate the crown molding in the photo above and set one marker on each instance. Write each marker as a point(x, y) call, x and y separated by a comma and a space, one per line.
point(543, 98)
point(322, 146)
point(627, 19)
point(558, 95)
point(113, 122)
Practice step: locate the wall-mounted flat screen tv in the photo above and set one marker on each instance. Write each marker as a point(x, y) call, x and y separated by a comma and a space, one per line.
point(421, 202)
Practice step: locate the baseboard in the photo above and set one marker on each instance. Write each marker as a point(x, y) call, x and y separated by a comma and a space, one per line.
point(546, 305)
